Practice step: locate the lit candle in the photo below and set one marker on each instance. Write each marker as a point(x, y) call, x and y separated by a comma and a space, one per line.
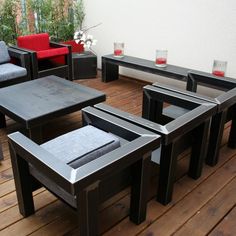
point(161, 58)
point(117, 52)
point(119, 49)
point(161, 61)
point(219, 68)
point(218, 73)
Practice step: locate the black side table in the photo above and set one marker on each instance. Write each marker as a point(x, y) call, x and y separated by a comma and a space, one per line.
point(84, 65)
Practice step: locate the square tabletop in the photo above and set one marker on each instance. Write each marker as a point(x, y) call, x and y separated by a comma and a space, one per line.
point(36, 101)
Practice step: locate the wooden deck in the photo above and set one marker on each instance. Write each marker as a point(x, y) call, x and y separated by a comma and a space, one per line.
point(199, 207)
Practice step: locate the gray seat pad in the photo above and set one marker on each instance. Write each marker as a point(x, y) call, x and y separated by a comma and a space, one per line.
point(10, 71)
point(81, 146)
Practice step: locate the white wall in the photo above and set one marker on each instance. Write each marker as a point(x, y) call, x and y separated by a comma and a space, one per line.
point(195, 32)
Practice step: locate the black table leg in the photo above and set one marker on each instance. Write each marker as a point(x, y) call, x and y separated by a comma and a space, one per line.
point(216, 132)
point(110, 71)
point(168, 164)
point(1, 152)
point(2, 120)
point(232, 135)
point(87, 207)
point(199, 148)
point(35, 134)
point(139, 189)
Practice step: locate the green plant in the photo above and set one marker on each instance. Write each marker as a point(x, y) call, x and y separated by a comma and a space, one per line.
point(66, 19)
point(78, 11)
point(8, 24)
point(42, 11)
point(57, 17)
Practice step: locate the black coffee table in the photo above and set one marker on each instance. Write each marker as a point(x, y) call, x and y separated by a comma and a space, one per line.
point(36, 102)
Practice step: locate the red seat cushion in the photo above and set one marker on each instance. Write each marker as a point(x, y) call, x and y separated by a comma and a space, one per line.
point(52, 52)
point(35, 42)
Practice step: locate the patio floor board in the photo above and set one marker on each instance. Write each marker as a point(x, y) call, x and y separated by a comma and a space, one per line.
point(199, 207)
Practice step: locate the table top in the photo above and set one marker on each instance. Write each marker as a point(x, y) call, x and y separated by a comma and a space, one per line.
point(36, 101)
point(85, 54)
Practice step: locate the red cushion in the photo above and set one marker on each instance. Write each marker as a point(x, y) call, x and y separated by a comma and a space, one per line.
point(52, 52)
point(35, 42)
point(75, 46)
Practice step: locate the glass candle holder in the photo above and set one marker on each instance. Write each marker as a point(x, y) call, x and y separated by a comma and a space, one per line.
point(161, 58)
point(219, 68)
point(119, 49)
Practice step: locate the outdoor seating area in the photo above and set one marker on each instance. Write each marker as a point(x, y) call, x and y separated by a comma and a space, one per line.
point(133, 136)
point(183, 192)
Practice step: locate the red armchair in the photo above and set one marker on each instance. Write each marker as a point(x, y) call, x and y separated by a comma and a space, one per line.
point(47, 58)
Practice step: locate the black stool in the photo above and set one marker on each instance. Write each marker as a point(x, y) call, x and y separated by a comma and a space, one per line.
point(84, 65)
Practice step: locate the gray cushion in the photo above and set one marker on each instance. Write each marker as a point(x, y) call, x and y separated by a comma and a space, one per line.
point(11, 71)
point(81, 146)
point(4, 55)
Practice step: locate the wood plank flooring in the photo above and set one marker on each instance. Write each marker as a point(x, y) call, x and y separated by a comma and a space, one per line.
point(206, 206)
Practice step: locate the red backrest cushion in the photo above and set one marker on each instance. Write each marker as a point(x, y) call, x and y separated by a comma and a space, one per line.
point(75, 46)
point(35, 42)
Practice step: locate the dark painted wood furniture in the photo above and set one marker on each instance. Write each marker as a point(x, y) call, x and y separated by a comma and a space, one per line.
point(36, 102)
point(85, 187)
point(187, 130)
point(47, 57)
point(21, 59)
point(1, 152)
point(84, 65)
point(16, 58)
point(193, 78)
point(110, 68)
point(226, 108)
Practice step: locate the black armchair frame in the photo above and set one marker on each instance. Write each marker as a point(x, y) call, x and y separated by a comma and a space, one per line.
point(226, 108)
point(175, 134)
point(82, 187)
point(64, 71)
point(22, 59)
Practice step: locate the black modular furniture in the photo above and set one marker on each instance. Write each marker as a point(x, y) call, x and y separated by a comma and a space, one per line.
point(1, 152)
point(186, 127)
point(110, 68)
point(46, 57)
point(84, 65)
point(226, 102)
point(83, 188)
point(15, 71)
point(226, 109)
point(36, 102)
